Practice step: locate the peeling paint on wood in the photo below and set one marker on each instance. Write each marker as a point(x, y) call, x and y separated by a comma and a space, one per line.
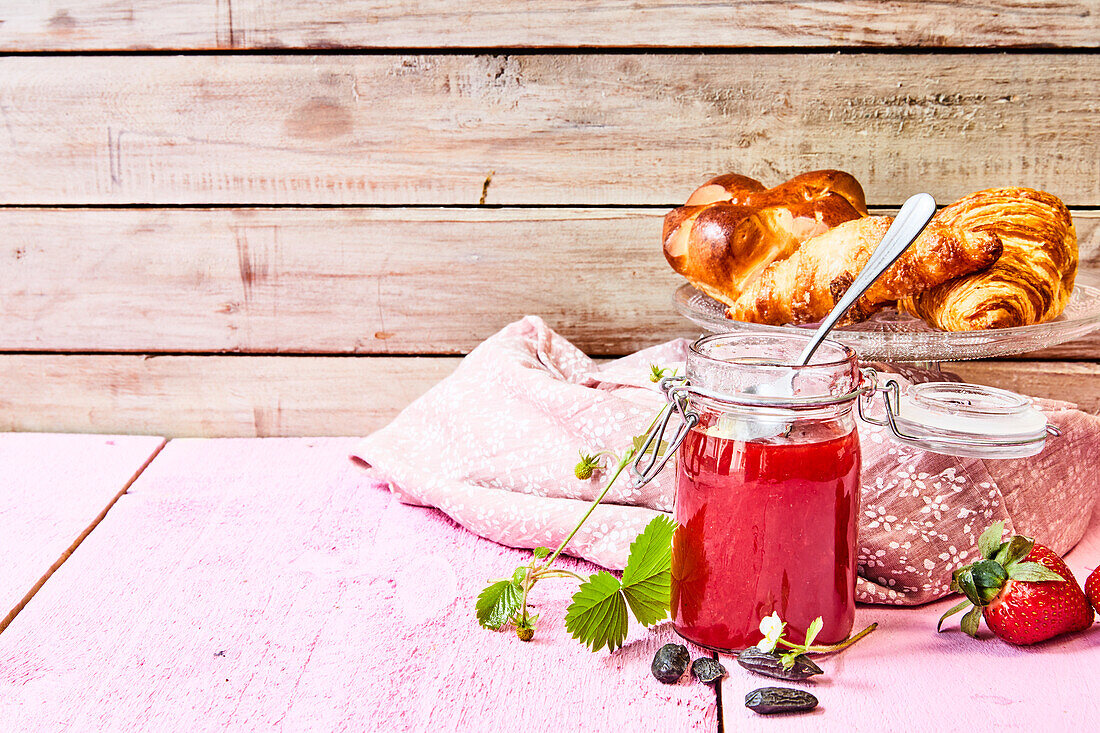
point(53, 490)
point(270, 584)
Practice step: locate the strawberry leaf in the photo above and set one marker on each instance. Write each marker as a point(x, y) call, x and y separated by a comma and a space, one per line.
point(1015, 550)
point(541, 552)
point(989, 577)
point(597, 615)
point(1033, 572)
point(990, 541)
point(497, 604)
point(647, 578)
point(965, 580)
point(813, 631)
point(639, 441)
point(970, 621)
point(951, 612)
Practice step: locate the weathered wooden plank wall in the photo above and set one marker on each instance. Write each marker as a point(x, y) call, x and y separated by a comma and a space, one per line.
point(33, 25)
point(244, 396)
point(347, 280)
point(369, 182)
point(240, 396)
point(577, 129)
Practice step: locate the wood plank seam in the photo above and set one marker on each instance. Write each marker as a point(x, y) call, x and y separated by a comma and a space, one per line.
point(558, 50)
point(76, 543)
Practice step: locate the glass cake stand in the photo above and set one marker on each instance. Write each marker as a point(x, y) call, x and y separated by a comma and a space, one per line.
point(893, 336)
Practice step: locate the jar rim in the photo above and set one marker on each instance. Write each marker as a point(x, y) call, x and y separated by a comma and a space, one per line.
point(849, 354)
point(757, 374)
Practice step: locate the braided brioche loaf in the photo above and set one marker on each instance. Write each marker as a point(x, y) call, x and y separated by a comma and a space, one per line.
point(731, 227)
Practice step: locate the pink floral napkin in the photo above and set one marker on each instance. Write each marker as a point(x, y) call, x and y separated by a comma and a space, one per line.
point(494, 446)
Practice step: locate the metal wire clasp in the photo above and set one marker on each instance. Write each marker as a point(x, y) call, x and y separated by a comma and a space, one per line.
point(676, 391)
point(868, 388)
point(891, 397)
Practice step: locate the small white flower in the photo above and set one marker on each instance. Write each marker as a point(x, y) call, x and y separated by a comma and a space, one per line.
point(772, 628)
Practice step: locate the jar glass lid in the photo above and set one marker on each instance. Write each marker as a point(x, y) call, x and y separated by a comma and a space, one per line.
point(969, 420)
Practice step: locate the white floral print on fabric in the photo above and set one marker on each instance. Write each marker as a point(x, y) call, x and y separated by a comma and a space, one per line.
point(494, 445)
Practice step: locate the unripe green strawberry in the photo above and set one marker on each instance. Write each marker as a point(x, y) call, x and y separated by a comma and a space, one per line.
point(587, 466)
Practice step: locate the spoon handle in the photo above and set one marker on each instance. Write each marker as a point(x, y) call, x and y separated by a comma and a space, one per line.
point(909, 223)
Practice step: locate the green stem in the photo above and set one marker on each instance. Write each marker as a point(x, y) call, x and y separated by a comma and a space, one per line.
point(556, 573)
point(627, 457)
point(832, 648)
point(528, 582)
point(592, 507)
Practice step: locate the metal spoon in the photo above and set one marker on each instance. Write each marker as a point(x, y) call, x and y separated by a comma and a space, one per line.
point(914, 216)
point(767, 422)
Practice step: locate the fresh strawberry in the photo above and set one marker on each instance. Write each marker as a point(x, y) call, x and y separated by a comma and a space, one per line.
point(1092, 589)
point(1024, 590)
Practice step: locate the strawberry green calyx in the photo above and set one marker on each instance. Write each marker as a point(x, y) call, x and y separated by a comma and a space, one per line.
point(591, 463)
point(982, 582)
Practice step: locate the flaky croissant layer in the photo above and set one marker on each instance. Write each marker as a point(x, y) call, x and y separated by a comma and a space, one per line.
point(1032, 280)
point(994, 259)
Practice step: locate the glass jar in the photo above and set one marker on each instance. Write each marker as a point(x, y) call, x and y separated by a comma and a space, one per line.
point(767, 491)
point(768, 475)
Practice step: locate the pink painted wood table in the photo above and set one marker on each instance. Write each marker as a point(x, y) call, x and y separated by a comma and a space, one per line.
point(267, 584)
point(256, 584)
point(53, 488)
point(907, 677)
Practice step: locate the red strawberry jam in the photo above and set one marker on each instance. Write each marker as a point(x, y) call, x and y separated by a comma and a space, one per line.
point(766, 525)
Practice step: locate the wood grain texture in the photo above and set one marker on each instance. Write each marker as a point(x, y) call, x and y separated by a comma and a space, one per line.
point(79, 25)
point(31, 25)
point(1057, 380)
point(258, 396)
point(331, 281)
point(53, 490)
point(258, 585)
point(573, 129)
point(211, 396)
point(404, 281)
point(866, 686)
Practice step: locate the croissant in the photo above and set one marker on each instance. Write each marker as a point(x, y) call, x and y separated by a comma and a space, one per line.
point(731, 227)
point(1031, 281)
point(804, 287)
